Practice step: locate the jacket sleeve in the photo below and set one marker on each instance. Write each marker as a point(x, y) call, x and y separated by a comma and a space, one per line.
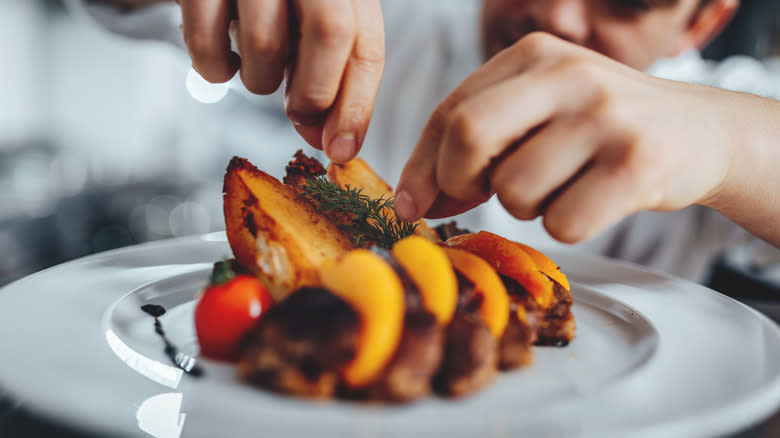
point(159, 22)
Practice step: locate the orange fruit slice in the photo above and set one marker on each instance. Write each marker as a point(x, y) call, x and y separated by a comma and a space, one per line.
point(546, 265)
point(509, 259)
point(372, 288)
point(431, 271)
point(495, 301)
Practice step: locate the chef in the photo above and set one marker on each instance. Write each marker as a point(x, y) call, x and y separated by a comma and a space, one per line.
point(528, 118)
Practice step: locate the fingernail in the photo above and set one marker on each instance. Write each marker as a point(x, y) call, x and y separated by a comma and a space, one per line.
point(404, 206)
point(343, 147)
point(303, 119)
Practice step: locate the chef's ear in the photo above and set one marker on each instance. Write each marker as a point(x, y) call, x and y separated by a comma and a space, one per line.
point(706, 23)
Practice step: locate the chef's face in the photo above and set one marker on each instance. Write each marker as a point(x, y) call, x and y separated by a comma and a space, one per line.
point(634, 32)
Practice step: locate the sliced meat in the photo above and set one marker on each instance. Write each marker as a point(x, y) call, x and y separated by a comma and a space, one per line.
point(468, 299)
point(563, 301)
point(470, 350)
point(470, 356)
point(554, 326)
point(557, 331)
point(450, 229)
point(558, 326)
point(409, 374)
point(300, 346)
point(514, 348)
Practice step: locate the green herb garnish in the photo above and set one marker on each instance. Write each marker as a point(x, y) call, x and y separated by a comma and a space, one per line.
point(367, 221)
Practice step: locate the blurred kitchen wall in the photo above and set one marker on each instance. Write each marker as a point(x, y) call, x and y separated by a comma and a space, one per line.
point(103, 142)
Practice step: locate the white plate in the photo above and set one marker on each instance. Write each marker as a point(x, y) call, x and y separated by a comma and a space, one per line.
point(654, 356)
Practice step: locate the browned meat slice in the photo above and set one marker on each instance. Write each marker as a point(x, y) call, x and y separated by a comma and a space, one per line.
point(468, 299)
point(558, 326)
point(563, 301)
point(470, 356)
point(553, 326)
point(557, 332)
point(514, 349)
point(450, 229)
point(301, 344)
point(409, 374)
point(470, 350)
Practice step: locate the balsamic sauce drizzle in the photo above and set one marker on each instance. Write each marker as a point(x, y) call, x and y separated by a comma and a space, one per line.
point(187, 363)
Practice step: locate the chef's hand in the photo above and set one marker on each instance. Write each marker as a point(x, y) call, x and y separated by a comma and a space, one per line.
point(331, 53)
point(562, 132)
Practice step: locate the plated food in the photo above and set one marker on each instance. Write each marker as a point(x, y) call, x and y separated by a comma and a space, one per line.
point(369, 307)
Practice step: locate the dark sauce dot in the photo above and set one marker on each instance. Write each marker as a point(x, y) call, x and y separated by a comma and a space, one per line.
point(154, 310)
point(182, 361)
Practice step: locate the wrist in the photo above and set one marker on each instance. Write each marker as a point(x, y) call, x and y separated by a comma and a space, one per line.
point(748, 192)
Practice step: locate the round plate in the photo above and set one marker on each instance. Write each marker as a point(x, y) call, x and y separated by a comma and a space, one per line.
point(653, 356)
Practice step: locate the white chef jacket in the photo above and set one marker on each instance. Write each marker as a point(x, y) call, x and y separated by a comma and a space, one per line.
point(431, 48)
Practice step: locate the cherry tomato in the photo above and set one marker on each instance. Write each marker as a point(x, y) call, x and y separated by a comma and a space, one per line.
point(226, 311)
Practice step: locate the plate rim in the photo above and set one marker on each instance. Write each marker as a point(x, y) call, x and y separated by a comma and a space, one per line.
point(750, 405)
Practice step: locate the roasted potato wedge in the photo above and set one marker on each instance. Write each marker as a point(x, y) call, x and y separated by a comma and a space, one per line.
point(274, 233)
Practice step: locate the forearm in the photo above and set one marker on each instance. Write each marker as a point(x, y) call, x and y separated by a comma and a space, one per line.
point(750, 193)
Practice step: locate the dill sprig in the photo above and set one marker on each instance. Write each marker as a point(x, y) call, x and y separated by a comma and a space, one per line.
point(366, 220)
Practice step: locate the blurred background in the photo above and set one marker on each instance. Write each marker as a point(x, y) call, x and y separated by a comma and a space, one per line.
point(106, 142)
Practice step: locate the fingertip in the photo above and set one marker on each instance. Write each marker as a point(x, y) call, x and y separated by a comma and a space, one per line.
point(444, 206)
point(311, 134)
point(405, 207)
point(565, 229)
point(343, 147)
point(218, 74)
point(300, 118)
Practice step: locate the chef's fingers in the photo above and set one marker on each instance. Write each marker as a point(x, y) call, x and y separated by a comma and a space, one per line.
point(418, 187)
point(262, 42)
point(312, 134)
point(327, 36)
point(534, 172)
point(483, 128)
point(347, 123)
point(444, 206)
point(417, 194)
point(535, 51)
point(607, 190)
point(205, 30)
